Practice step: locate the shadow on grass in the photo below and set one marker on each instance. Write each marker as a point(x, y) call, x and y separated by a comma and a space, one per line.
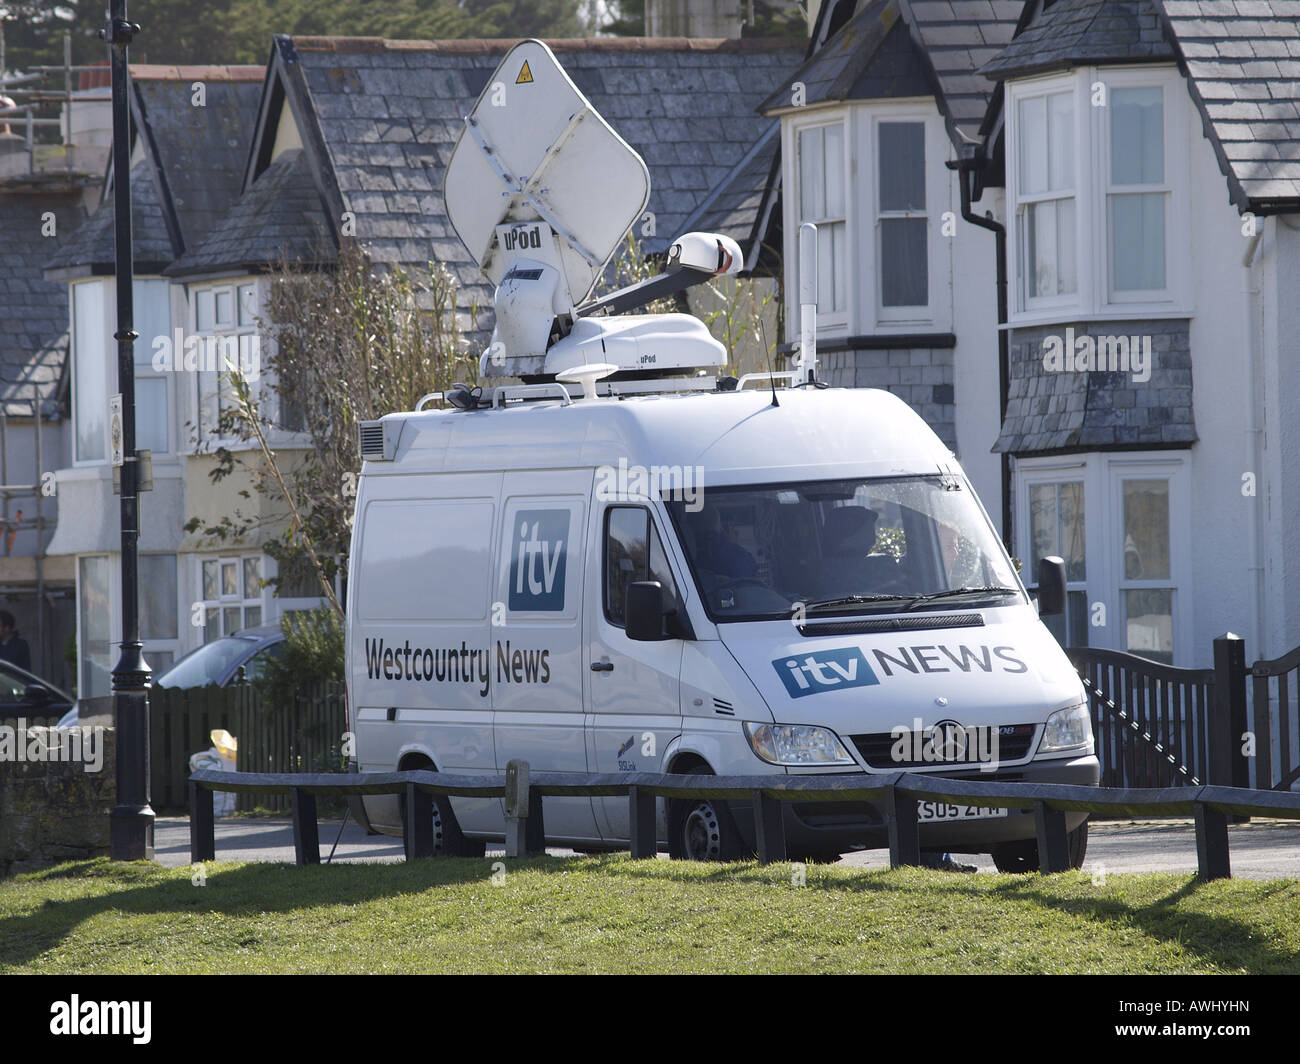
point(253, 889)
point(1222, 940)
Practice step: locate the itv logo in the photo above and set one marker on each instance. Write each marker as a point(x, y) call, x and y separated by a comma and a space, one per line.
point(826, 670)
point(537, 560)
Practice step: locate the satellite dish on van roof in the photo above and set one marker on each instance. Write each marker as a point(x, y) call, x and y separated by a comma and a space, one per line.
point(534, 149)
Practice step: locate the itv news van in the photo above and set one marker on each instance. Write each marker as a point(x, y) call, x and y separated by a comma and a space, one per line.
point(627, 564)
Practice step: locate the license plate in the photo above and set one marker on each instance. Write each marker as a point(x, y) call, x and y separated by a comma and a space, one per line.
point(930, 811)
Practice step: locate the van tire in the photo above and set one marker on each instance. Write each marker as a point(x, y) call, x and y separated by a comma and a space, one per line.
point(443, 818)
point(1020, 857)
point(703, 829)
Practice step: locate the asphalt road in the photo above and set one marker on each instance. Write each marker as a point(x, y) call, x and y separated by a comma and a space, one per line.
point(1262, 849)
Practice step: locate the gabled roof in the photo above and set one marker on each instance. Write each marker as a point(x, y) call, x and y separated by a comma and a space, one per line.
point(1241, 59)
point(34, 331)
point(1243, 64)
point(1078, 32)
point(280, 217)
point(903, 48)
point(194, 153)
point(197, 152)
point(958, 37)
point(734, 208)
point(92, 250)
point(378, 120)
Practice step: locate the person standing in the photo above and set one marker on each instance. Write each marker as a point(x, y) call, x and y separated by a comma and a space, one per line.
point(13, 647)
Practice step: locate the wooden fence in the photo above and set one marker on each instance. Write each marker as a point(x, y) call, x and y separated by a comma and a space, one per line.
point(304, 737)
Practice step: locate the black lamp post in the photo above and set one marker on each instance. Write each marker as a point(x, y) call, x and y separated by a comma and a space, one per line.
point(131, 823)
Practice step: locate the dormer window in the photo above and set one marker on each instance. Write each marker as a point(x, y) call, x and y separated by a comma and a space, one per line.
point(1097, 163)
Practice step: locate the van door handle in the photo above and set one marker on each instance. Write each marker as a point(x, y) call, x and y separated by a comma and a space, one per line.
point(602, 666)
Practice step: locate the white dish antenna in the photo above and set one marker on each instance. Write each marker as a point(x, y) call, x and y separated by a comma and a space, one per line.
point(535, 150)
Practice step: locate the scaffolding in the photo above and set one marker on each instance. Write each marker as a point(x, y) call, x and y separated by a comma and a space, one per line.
point(28, 105)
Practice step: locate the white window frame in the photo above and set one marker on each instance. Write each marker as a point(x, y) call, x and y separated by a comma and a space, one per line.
point(864, 312)
point(937, 201)
point(1094, 298)
point(174, 645)
point(1103, 475)
point(839, 321)
point(242, 599)
point(207, 389)
point(143, 364)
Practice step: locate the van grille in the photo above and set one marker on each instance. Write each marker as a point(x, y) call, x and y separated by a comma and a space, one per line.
point(921, 622)
point(1014, 742)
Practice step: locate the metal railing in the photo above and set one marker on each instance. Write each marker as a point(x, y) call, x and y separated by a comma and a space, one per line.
point(895, 793)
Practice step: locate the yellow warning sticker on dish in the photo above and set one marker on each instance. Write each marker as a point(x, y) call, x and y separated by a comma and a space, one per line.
point(525, 75)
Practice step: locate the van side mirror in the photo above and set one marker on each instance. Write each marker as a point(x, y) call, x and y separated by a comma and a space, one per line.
point(1051, 586)
point(644, 611)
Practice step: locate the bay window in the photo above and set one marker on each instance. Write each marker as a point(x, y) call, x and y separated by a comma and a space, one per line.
point(821, 200)
point(94, 366)
point(1097, 165)
point(1120, 523)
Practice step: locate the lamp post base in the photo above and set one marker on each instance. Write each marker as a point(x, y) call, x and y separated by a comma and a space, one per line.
point(130, 833)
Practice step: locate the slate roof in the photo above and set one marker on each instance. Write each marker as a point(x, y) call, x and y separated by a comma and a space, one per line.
point(903, 48)
point(734, 208)
point(383, 116)
point(91, 249)
point(34, 326)
point(958, 37)
point(193, 166)
point(280, 216)
point(199, 152)
point(1243, 61)
point(1078, 32)
point(1082, 410)
point(871, 57)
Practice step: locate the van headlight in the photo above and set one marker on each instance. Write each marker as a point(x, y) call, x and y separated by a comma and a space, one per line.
point(1067, 729)
point(796, 744)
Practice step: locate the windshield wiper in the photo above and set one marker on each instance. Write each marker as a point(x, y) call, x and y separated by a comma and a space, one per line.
point(854, 600)
point(956, 591)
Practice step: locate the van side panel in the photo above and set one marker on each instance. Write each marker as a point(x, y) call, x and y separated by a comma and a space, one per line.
point(421, 663)
point(538, 667)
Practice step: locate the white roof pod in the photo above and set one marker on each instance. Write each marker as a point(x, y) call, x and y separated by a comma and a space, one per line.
point(541, 190)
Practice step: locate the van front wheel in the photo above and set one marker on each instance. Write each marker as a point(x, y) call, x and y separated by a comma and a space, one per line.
point(703, 829)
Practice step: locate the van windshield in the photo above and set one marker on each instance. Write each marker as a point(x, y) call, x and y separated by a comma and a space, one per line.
point(865, 546)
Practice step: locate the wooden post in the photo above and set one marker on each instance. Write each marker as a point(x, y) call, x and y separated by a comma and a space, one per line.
point(203, 832)
point(641, 816)
point(904, 829)
point(306, 831)
point(417, 827)
point(1053, 846)
point(769, 829)
point(525, 830)
point(1212, 859)
point(1228, 719)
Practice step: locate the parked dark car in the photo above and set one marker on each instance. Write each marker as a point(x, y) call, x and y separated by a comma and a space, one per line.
point(24, 694)
point(219, 663)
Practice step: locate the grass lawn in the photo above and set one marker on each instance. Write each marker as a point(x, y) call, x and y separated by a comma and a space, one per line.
point(613, 914)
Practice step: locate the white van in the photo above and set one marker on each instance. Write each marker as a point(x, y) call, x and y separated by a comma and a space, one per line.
point(834, 600)
point(628, 565)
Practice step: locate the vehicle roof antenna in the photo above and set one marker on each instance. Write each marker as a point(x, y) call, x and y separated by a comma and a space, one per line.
point(771, 373)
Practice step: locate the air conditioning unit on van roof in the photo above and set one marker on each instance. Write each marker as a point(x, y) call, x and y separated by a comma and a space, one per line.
point(542, 191)
point(378, 440)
